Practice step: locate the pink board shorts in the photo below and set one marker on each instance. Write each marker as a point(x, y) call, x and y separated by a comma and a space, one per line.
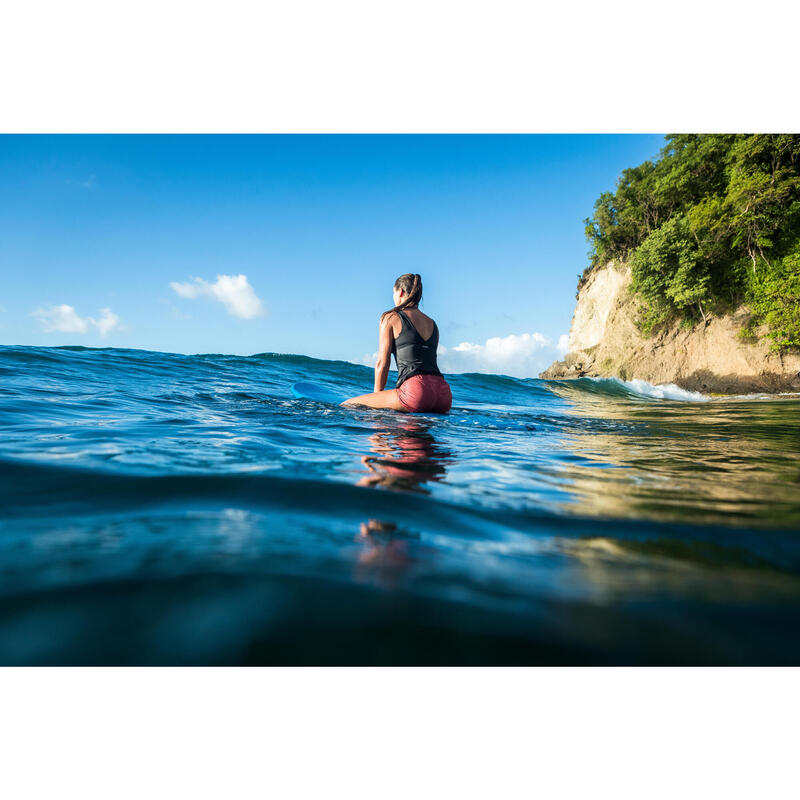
point(425, 393)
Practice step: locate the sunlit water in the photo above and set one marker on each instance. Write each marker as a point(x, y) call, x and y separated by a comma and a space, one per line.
point(172, 509)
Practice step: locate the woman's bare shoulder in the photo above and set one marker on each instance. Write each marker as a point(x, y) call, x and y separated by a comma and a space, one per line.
point(392, 319)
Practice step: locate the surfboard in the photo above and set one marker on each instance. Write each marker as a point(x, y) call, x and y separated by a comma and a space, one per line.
point(313, 391)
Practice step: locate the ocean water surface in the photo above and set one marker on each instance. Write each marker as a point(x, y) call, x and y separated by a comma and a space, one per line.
point(186, 509)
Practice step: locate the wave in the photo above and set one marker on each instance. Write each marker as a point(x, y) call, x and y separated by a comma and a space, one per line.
point(29, 491)
point(116, 366)
point(662, 391)
point(636, 388)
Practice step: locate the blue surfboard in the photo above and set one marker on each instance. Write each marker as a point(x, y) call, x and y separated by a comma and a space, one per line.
point(322, 394)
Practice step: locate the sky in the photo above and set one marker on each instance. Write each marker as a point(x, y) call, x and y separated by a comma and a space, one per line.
point(291, 244)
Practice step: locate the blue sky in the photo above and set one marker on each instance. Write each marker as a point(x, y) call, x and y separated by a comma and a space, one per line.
point(120, 240)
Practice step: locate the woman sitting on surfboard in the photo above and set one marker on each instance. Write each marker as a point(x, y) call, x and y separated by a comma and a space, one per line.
point(413, 338)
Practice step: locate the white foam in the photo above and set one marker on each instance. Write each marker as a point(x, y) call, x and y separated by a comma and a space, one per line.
point(661, 391)
point(664, 391)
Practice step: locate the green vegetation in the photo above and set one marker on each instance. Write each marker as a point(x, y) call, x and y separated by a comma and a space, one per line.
point(713, 223)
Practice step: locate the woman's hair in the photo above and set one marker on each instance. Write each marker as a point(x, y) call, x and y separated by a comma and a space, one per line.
point(411, 284)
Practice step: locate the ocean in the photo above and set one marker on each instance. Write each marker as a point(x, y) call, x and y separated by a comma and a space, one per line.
point(187, 509)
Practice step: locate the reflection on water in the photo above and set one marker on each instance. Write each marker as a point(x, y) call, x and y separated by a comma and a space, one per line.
point(731, 462)
point(385, 557)
point(403, 457)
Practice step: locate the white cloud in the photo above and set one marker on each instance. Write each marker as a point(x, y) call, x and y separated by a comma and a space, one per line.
point(233, 291)
point(107, 322)
point(61, 319)
point(64, 319)
point(522, 355)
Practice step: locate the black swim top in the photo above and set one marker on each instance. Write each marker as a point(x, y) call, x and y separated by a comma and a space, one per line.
point(413, 354)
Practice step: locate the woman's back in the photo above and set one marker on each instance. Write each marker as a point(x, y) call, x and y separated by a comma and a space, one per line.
point(414, 345)
point(423, 324)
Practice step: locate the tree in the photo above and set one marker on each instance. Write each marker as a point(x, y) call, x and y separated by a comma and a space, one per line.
point(667, 270)
point(714, 220)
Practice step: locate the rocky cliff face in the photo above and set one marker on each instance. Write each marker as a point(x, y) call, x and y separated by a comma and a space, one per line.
point(604, 341)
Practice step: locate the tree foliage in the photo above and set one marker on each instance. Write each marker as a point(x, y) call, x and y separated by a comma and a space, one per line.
point(774, 297)
point(712, 223)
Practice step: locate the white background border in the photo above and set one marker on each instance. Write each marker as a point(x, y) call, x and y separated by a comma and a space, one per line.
point(399, 733)
point(417, 65)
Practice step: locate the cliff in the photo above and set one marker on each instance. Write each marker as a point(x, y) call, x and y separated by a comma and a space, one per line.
point(711, 357)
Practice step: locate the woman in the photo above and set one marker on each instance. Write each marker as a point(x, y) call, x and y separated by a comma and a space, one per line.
point(413, 338)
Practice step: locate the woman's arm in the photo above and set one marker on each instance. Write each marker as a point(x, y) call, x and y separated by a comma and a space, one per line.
point(385, 339)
